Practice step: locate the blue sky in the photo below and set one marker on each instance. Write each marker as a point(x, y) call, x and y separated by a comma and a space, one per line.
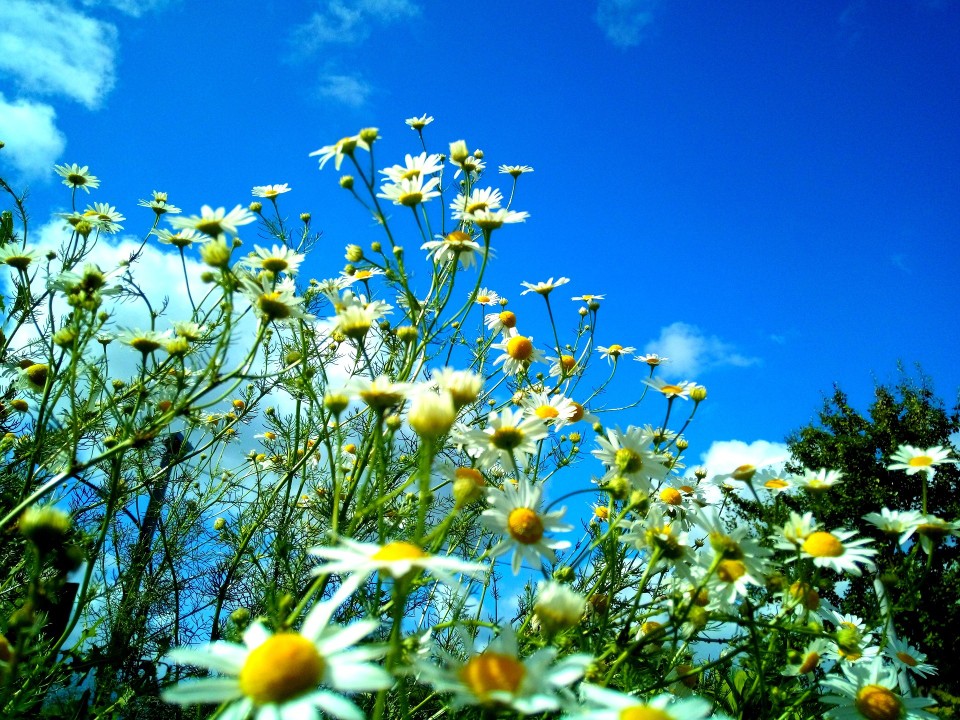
point(767, 192)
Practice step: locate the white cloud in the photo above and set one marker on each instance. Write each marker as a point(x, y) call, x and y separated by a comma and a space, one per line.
point(690, 351)
point(133, 8)
point(33, 142)
point(342, 22)
point(346, 89)
point(52, 49)
point(625, 22)
point(725, 456)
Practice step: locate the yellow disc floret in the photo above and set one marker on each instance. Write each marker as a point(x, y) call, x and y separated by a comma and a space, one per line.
point(525, 526)
point(644, 712)
point(519, 347)
point(492, 672)
point(823, 544)
point(876, 702)
point(284, 666)
point(399, 550)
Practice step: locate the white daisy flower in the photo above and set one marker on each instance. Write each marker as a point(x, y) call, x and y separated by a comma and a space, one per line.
point(808, 659)
point(510, 436)
point(914, 459)
point(381, 393)
point(671, 390)
point(344, 147)
point(361, 275)
point(413, 167)
point(776, 481)
point(498, 677)
point(275, 301)
point(501, 322)
point(515, 171)
point(600, 703)
point(270, 192)
point(515, 514)
point(493, 219)
point(158, 203)
point(75, 177)
point(480, 199)
point(555, 410)
point(896, 522)
point(908, 660)
point(397, 559)
point(287, 675)
point(277, 259)
point(629, 453)
point(486, 296)
point(818, 480)
point(544, 288)
point(184, 237)
point(419, 123)
point(518, 350)
point(838, 551)
point(612, 353)
point(215, 222)
point(410, 192)
point(146, 341)
point(456, 245)
point(588, 298)
point(933, 530)
point(869, 690)
point(104, 217)
point(658, 531)
point(652, 359)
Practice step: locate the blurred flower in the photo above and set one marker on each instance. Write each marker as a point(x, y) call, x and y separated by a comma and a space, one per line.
point(818, 480)
point(868, 691)
point(419, 123)
point(515, 171)
point(600, 703)
point(544, 288)
point(344, 147)
point(270, 191)
point(180, 239)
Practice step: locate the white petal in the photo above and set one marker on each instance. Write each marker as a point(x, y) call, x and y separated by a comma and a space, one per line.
point(337, 705)
point(225, 658)
point(358, 677)
point(340, 638)
point(207, 690)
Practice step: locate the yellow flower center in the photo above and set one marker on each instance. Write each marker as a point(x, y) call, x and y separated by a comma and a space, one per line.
point(483, 299)
point(628, 461)
point(508, 319)
point(615, 350)
point(410, 199)
point(578, 412)
point(602, 512)
point(284, 666)
point(492, 672)
point(809, 664)
point(274, 308)
point(920, 461)
point(934, 530)
point(274, 264)
point(410, 174)
point(671, 389)
point(76, 179)
point(776, 484)
point(507, 438)
point(457, 238)
point(19, 262)
point(210, 226)
point(744, 473)
point(519, 347)
point(671, 496)
point(470, 474)
point(525, 526)
point(37, 375)
point(475, 206)
point(567, 362)
point(348, 448)
point(907, 659)
point(876, 702)
point(144, 345)
point(823, 544)
point(808, 596)
point(650, 626)
point(547, 412)
point(731, 570)
point(399, 550)
point(644, 712)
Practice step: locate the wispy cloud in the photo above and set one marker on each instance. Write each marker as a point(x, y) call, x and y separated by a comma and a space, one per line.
point(51, 49)
point(133, 8)
point(33, 142)
point(349, 90)
point(625, 22)
point(345, 22)
point(691, 351)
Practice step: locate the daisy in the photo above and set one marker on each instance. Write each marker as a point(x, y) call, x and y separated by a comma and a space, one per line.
point(544, 288)
point(277, 259)
point(453, 246)
point(287, 675)
point(348, 279)
point(651, 359)
point(146, 341)
point(658, 531)
point(397, 559)
point(380, 394)
point(75, 177)
point(671, 390)
point(914, 460)
point(837, 551)
point(628, 453)
point(17, 257)
point(774, 481)
point(464, 386)
point(907, 659)
point(600, 703)
point(33, 378)
point(180, 239)
point(480, 199)
point(104, 217)
point(932, 530)
point(613, 352)
point(215, 222)
point(485, 296)
point(555, 410)
point(563, 366)
point(414, 167)
point(588, 298)
point(515, 171)
point(508, 433)
point(818, 480)
point(869, 690)
point(808, 659)
point(558, 607)
point(158, 203)
point(410, 192)
point(275, 301)
point(502, 321)
point(493, 219)
point(518, 353)
point(270, 191)
point(419, 123)
point(498, 677)
point(515, 514)
point(344, 147)
point(896, 522)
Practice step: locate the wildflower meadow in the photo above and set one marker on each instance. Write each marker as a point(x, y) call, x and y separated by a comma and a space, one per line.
point(400, 492)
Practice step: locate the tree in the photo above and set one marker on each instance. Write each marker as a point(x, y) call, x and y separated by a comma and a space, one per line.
point(924, 588)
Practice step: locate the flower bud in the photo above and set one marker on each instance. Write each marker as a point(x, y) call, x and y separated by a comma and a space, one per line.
point(354, 253)
point(346, 182)
point(432, 414)
point(458, 151)
point(256, 207)
point(698, 394)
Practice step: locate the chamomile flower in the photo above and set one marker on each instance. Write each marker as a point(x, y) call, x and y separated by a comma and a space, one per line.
point(419, 123)
point(501, 322)
point(486, 296)
point(515, 514)
point(671, 390)
point(809, 659)
point(146, 341)
point(600, 703)
point(914, 459)
point(515, 171)
point(658, 531)
point(158, 203)
point(614, 352)
point(75, 177)
point(479, 199)
point(519, 353)
point(870, 691)
point(413, 166)
point(510, 436)
point(396, 559)
point(838, 551)
point(652, 359)
point(816, 481)
point(270, 192)
point(555, 410)
point(215, 222)
point(362, 275)
point(275, 301)
point(932, 531)
point(344, 147)
point(381, 393)
point(903, 523)
point(775, 481)
point(287, 675)
point(180, 239)
point(494, 219)
point(497, 677)
point(544, 288)
point(464, 386)
point(277, 259)
point(17, 257)
point(588, 298)
point(455, 245)
point(104, 217)
point(558, 606)
point(908, 659)
point(564, 366)
point(628, 453)
point(410, 192)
